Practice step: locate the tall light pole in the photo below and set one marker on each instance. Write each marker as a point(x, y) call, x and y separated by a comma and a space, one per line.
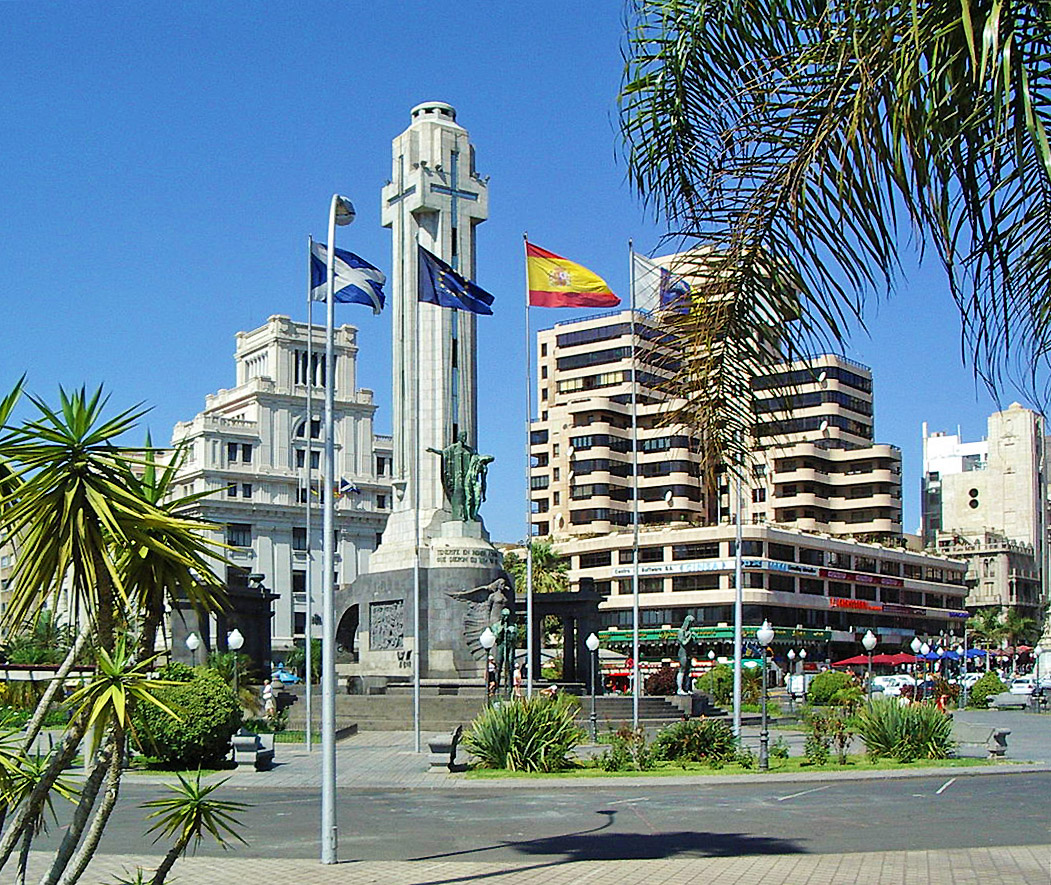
point(925, 650)
point(711, 673)
point(234, 640)
point(869, 641)
point(592, 643)
point(341, 212)
point(193, 642)
point(765, 635)
point(791, 667)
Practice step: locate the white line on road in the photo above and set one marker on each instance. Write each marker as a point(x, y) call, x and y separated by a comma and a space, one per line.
point(795, 795)
point(945, 786)
point(623, 801)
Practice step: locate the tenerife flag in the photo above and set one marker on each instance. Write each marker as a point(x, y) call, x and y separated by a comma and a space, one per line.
point(657, 288)
point(357, 281)
point(441, 285)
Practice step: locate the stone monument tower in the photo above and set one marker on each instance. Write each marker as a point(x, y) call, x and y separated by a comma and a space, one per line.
point(435, 198)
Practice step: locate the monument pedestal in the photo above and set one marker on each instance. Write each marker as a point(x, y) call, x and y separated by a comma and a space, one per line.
point(460, 557)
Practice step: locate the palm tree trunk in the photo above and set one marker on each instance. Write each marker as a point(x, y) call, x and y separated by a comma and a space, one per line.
point(109, 800)
point(30, 808)
point(174, 853)
point(36, 723)
point(88, 793)
point(23, 857)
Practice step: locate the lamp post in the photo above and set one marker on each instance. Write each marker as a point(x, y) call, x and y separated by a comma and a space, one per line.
point(234, 640)
point(193, 642)
point(1037, 651)
point(341, 212)
point(915, 645)
point(765, 635)
point(711, 673)
point(487, 640)
point(869, 641)
point(925, 649)
point(791, 667)
point(592, 643)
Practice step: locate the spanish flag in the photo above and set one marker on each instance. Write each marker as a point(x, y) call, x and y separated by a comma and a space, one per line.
point(557, 282)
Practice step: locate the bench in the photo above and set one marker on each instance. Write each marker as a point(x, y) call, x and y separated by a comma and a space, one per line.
point(247, 745)
point(1005, 701)
point(443, 751)
point(989, 736)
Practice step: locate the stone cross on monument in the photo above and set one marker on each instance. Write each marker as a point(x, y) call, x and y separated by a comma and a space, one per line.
point(435, 198)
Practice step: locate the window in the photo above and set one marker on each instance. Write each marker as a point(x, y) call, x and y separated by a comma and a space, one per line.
point(301, 459)
point(239, 534)
point(758, 496)
point(381, 502)
point(595, 560)
point(299, 538)
point(695, 582)
point(231, 490)
point(231, 453)
point(246, 490)
point(781, 552)
point(651, 585)
point(748, 548)
point(543, 372)
point(538, 482)
point(246, 453)
point(709, 550)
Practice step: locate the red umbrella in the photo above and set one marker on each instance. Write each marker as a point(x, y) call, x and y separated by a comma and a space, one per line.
point(901, 658)
point(856, 661)
point(885, 659)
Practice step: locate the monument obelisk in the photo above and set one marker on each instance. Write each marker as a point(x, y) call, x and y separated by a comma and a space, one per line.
point(435, 199)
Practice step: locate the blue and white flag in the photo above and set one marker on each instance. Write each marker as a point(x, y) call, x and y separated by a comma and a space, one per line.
point(657, 288)
point(357, 281)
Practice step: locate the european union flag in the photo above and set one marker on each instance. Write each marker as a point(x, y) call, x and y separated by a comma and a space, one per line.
point(441, 285)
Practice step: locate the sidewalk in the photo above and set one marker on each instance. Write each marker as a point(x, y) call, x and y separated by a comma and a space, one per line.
point(1014, 865)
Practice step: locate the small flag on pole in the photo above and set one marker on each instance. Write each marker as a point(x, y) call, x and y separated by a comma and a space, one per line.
point(657, 288)
point(555, 281)
point(357, 281)
point(346, 488)
point(441, 285)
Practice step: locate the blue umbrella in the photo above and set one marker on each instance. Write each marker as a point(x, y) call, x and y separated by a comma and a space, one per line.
point(976, 652)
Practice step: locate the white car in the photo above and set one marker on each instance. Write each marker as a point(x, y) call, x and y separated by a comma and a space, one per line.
point(969, 679)
point(1023, 685)
point(892, 685)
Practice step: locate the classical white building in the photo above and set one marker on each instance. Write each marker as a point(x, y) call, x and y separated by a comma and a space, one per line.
point(251, 446)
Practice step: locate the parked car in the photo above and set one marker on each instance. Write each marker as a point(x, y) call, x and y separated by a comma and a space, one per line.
point(891, 685)
point(1022, 685)
point(969, 679)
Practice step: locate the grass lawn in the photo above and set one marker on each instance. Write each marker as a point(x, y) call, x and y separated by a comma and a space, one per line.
point(792, 765)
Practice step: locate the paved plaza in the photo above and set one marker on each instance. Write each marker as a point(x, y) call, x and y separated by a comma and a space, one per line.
point(379, 770)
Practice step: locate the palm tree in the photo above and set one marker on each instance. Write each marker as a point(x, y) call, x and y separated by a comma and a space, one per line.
point(985, 626)
point(1017, 628)
point(190, 814)
point(19, 784)
point(550, 571)
point(83, 525)
point(789, 143)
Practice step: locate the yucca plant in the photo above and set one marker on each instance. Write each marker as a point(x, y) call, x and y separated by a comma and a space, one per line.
point(915, 731)
point(696, 740)
point(526, 734)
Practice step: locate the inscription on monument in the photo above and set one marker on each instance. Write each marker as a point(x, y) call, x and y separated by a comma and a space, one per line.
point(464, 556)
point(386, 625)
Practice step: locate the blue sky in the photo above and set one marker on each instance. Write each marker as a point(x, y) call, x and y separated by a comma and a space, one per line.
point(163, 166)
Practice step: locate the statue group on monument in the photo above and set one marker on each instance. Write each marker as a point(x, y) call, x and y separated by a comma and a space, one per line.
point(464, 474)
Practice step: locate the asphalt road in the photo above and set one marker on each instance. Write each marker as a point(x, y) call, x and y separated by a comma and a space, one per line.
point(605, 823)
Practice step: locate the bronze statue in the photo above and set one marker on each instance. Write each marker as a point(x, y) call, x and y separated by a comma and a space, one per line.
point(463, 477)
point(485, 607)
point(506, 645)
point(683, 678)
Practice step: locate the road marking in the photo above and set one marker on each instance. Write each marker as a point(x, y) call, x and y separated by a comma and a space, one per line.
point(945, 786)
point(625, 801)
point(796, 795)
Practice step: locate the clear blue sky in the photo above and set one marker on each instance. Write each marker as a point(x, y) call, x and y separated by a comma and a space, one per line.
point(162, 167)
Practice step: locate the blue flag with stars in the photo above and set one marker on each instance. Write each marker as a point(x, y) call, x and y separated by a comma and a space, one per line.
point(441, 285)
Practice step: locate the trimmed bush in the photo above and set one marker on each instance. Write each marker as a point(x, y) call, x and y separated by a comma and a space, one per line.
point(825, 686)
point(526, 734)
point(719, 681)
point(696, 740)
point(990, 684)
point(905, 733)
point(662, 682)
point(209, 712)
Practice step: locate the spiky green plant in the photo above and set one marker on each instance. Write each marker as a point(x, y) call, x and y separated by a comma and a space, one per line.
point(905, 733)
point(696, 740)
point(191, 814)
point(526, 734)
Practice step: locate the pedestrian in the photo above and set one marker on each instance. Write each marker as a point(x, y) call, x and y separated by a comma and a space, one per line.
point(269, 705)
point(518, 680)
point(490, 677)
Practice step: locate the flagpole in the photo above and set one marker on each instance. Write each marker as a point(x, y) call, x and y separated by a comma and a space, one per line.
point(328, 628)
point(635, 505)
point(415, 502)
point(738, 610)
point(528, 471)
point(309, 631)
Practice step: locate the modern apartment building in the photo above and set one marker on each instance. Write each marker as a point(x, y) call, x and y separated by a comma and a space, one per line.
point(250, 448)
point(987, 502)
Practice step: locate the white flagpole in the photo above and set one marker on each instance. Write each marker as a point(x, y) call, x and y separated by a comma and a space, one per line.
point(328, 628)
point(738, 610)
point(309, 631)
point(415, 498)
point(636, 688)
point(529, 495)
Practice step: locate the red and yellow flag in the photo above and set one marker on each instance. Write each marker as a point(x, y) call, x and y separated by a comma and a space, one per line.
point(557, 282)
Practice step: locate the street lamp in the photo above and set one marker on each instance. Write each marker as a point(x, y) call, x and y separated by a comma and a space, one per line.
point(1037, 651)
point(234, 640)
point(791, 667)
point(711, 673)
point(869, 641)
point(193, 642)
point(592, 643)
point(925, 650)
point(765, 635)
point(487, 640)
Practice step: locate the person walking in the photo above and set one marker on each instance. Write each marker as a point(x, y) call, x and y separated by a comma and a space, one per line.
point(269, 705)
point(518, 681)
